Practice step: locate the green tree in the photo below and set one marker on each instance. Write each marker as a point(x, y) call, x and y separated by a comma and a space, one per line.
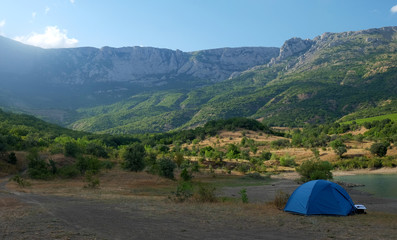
point(314, 169)
point(339, 147)
point(379, 149)
point(233, 151)
point(134, 157)
point(166, 167)
point(71, 149)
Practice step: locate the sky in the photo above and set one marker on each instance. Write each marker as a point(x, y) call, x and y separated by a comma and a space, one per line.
point(187, 25)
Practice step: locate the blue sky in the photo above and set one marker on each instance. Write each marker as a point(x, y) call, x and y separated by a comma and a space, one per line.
point(187, 25)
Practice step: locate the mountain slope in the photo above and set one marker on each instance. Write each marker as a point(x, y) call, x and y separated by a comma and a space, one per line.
point(82, 77)
point(315, 80)
point(131, 90)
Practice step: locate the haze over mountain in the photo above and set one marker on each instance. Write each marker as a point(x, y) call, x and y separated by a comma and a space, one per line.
point(140, 89)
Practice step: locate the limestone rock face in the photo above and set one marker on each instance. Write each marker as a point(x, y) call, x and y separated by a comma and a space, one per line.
point(144, 65)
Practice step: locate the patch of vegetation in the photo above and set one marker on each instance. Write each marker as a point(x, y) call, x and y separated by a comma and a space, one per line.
point(314, 170)
point(243, 195)
point(281, 199)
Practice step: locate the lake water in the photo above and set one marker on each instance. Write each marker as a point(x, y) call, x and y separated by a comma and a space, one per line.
point(381, 185)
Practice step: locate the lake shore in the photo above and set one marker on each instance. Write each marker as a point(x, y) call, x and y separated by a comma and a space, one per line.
point(294, 175)
point(365, 171)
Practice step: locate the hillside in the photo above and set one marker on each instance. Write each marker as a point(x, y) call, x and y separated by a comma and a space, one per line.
point(52, 83)
point(137, 90)
point(313, 81)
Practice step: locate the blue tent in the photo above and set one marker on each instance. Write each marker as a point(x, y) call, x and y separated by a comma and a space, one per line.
point(320, 197)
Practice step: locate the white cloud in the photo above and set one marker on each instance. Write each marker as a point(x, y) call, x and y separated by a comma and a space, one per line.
point(47, 9)
point(394, 9)
point(2, 24)
point(72, 1)
point(34, 14)
point(53, 37)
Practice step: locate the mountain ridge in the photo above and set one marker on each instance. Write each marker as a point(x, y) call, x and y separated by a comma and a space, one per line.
point(312, 80)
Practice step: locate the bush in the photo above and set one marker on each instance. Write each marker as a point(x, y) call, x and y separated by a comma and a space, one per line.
point(287, 161)
point(12, 158)
point(92, 164)
point(92, 180)
point(205, 193)
point(71, 149)
point(183, 192)
point(280, 143)
point(166, 167)
point(244, 196)
point(339, 147)
point(266, 155)
point(96, 150)
point(134, 156)
point(68, 171)
point(243, 167)
point(314, 169)
point(355, 163)
point(281, 199)
point(38, 168)
point(379, 149)
point(20, 181)
point(186, 175)
point(375, 163)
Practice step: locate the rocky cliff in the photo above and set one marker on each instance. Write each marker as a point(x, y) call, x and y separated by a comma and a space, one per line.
point(129, 64)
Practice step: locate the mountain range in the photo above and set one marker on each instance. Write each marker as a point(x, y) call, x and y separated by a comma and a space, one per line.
point(144, 89)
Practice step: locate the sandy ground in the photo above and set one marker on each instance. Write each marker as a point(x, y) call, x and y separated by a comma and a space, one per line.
point(90, 214)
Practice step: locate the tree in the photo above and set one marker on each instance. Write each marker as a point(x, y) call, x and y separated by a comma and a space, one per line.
point(71, 149)
point(339, 147)
point(379, 149)
point(314, 169)
point(166, 167)
point(134, 157)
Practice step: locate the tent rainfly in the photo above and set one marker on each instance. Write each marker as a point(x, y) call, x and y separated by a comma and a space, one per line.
point(320, 197)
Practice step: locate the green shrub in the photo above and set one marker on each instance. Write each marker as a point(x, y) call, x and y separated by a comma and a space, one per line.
point(88, 164)
point(134, 157)
point(38, 168)
point(266, 155)
point(96, 150)
point(355, 163)
point(244, 196)
point(243, 167)
point(20, 181)
point(91, 179)
point(183, 192)
point(68, 171)
point(166, 167)
point(389, 162)
point(186, 175)
point(71, 149)
point(375, 163)
point(314, 169)
point(287, 161)
point(379, 149)
point(339, 147)
point(280, 143)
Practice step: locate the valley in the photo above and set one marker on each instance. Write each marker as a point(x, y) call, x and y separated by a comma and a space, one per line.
point(142, 142)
